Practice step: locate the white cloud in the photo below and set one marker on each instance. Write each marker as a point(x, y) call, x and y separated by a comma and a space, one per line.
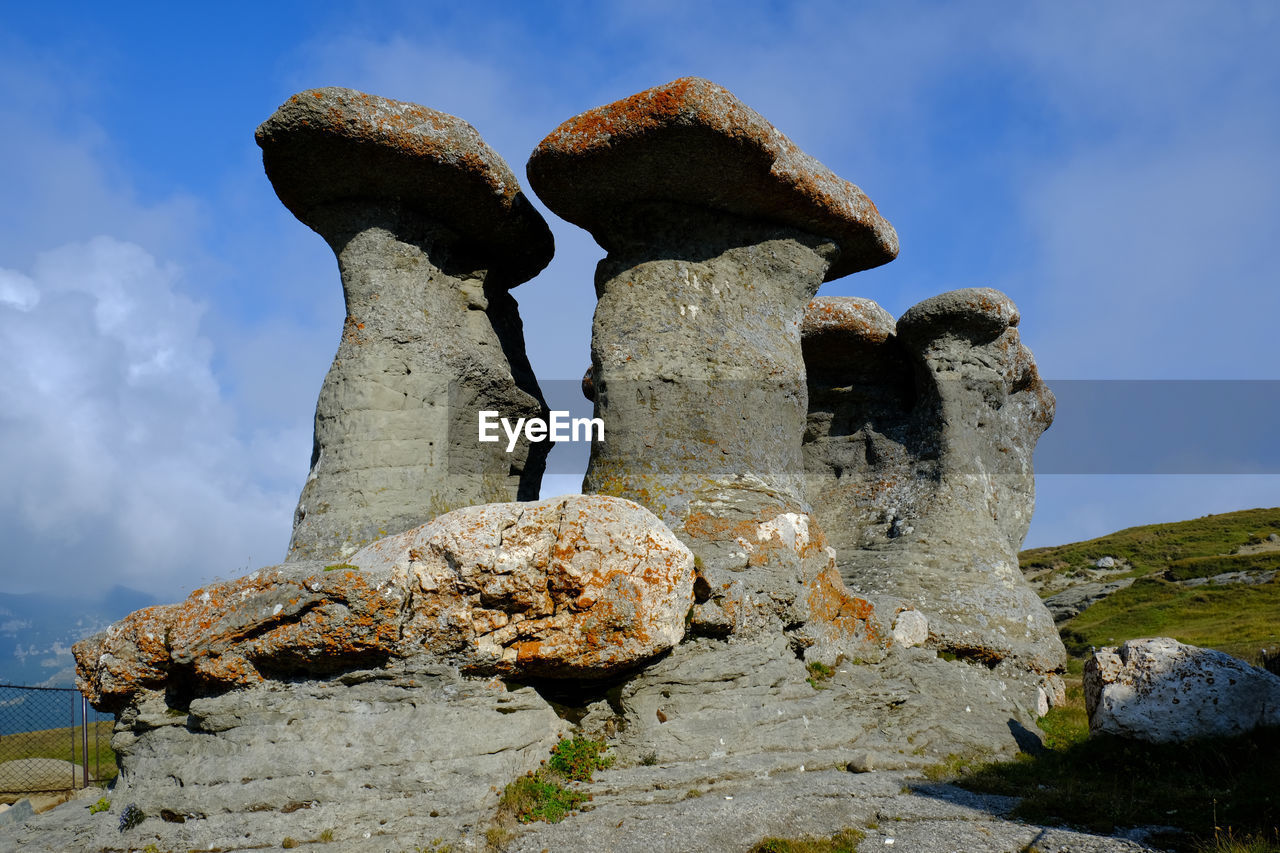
point(121, 454)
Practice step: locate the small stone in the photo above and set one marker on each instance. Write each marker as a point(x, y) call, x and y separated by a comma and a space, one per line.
point(911, 628)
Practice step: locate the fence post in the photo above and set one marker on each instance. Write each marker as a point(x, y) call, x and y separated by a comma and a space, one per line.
point(84, 740)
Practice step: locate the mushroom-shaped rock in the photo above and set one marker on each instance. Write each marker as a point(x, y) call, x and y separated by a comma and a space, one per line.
point(431, 231)
point(719, 232)
point(581, 586)
point(692, 142)
point(918, 458)
point(335, 146)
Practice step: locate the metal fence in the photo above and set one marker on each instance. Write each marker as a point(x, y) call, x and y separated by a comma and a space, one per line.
point(49, 741)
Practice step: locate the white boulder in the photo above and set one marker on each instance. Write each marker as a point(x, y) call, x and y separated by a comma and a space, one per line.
point(1160, 690)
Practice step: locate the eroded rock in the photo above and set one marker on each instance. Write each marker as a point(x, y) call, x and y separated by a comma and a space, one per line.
point(918, 452)
point(431, 231)
point(719, 231)
point(572, 587)
point(1160, 690)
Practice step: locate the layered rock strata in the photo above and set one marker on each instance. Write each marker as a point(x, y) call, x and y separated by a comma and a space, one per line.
point(918, 453)
point(718, 231)
point(431, 232)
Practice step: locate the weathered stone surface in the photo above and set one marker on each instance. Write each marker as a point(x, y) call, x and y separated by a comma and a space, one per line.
point(1073, 601)
point(692, 142)
point(577, 586)
point(431, 231)
point(918, 454)
point(335, 146)
point(381, 759)
point(1160, 690)
point(696, 365)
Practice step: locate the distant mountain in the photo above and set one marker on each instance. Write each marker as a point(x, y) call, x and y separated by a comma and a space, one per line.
point(37, 631)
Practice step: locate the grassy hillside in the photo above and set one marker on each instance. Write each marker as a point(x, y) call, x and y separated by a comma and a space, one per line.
point(1152, 547)
point(1240, 619)
point(57, 743)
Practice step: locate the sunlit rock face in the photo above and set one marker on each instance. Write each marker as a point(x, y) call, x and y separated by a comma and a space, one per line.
point(719, 230)
point(1160, 690)
point(918, 454)
point(431, 231)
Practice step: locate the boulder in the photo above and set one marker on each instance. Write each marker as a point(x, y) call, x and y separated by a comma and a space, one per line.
point(1160, 690)
point(572, 587)
point(581, 586)
point(918, 456)
point(431, 231)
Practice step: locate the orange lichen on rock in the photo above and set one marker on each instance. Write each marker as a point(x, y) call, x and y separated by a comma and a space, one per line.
point(581, 586)
point(341, 147)
point(584, 585)
point(692, 142)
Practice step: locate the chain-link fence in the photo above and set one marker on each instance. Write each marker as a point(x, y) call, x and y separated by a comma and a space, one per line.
point(50, 741)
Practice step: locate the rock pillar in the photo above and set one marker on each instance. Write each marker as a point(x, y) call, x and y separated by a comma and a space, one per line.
point(431, 231)
point(718, 232)
point(918, 452)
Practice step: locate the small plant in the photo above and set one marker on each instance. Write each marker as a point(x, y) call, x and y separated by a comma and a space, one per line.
point(102, 805)
point(693, 794)
point(649, 759)
point(151, 848)
point(844, 841)
point(340, 567)
point(288, 843)
point(326, 836)
point(578, 758)
point(130, 817)
point(538, 797)
point(819, 672)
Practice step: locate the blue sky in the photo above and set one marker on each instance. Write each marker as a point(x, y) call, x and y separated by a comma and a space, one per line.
point(166, 323)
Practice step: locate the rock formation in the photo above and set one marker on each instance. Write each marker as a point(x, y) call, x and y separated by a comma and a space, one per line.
point(581, 586)
point(718, 231)
point(1160, 690)
point(918, 452)
point(431, 231)
point(380, 690)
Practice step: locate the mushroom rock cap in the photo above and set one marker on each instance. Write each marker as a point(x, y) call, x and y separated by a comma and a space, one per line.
point(692, 142)
point(333, 145)
point(849, 317)
point(978, 313)
point(841, 332)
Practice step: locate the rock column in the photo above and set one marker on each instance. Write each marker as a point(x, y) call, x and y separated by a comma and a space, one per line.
point(718, 232)
point(431, 231)
point(919, 457)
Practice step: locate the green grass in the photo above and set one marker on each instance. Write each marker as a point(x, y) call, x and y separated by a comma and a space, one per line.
point(1214, 790)
point(57, 743)
point(844, 841)
point(819, 673)
point(1207, 567)
point(538, 796)
point(578, 758)
point(1151, 548)
point(542, 794)
point(1239, 619)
